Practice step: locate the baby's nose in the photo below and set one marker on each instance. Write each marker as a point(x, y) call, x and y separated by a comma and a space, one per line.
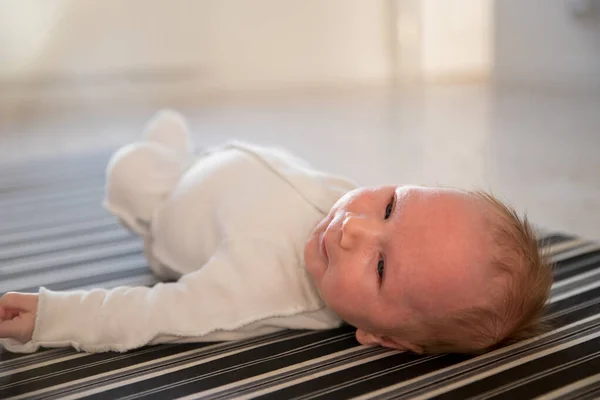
point(357, 230)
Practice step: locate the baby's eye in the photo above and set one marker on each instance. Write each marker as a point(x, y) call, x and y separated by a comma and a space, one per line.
point(389, 208)
point(380, 268)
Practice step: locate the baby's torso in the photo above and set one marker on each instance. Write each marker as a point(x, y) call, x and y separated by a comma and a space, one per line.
point(260, 206)
point(229, 194)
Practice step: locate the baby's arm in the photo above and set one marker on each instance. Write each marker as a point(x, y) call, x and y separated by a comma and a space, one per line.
point(217, 297)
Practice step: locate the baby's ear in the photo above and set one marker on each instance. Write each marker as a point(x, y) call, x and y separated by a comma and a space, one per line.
point(169, 129)
point(371, 339)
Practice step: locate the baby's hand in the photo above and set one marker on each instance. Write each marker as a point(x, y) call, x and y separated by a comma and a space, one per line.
point(17, 316)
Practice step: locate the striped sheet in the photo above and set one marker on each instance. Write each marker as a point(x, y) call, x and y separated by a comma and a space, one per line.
point(54, 233)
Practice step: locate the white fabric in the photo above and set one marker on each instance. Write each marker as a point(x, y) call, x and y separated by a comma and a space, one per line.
point(230, 229)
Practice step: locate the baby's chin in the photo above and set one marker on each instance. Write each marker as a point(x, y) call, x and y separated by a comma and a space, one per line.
point(313, 260)
point(311, 249)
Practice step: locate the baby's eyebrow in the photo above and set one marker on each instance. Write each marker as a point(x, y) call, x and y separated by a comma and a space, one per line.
point(395, 199)
point(387, 286)
point(393, 261)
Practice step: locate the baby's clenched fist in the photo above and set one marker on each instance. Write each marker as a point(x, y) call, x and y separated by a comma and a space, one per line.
point(17, 316)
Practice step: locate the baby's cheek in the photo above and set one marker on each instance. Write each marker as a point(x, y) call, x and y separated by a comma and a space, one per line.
point(334, 291)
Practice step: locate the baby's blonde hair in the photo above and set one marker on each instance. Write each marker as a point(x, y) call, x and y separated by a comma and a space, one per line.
point(513, 315)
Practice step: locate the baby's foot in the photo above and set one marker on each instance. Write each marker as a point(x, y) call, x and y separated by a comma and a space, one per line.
point(170, 129)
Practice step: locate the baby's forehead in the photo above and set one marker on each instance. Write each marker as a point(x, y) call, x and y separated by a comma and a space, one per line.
point(443, 217)
point(444, 254)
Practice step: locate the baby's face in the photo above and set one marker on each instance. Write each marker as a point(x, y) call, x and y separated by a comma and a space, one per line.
point(399, 253)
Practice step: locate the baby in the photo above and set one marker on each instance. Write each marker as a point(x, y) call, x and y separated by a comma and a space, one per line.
point(250, 240)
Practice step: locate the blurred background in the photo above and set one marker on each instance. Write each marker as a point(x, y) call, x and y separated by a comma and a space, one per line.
point(499, 95)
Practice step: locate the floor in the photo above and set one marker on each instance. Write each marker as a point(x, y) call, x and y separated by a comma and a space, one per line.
point(538, 151)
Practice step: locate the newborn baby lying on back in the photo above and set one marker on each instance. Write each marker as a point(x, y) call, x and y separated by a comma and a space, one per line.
point(251, 240)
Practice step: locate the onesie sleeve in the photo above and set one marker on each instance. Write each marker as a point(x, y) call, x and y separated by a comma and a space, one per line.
point(241, 284)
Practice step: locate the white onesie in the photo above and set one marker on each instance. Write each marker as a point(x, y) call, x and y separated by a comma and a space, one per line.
point(229, 229)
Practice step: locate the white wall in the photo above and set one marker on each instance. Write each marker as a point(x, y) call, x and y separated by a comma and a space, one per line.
point(88, 47)
point(539, 42)
point(457, 38)
point(70, 37)
point(448, 40)
point(295, 42)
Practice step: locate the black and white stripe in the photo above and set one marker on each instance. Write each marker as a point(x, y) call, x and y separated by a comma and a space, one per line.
point(54, 233)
